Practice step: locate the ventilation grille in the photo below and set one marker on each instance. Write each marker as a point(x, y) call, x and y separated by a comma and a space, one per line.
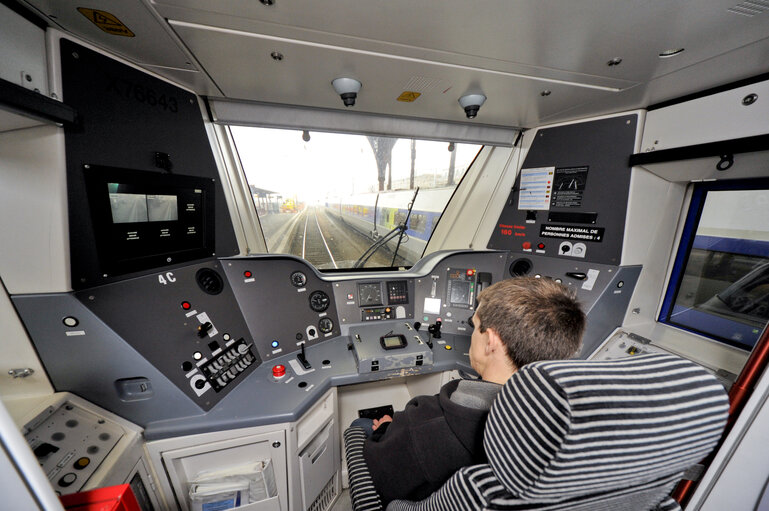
point(423, 84)
point(750, 8)
point(326, 496)
point(209, 281)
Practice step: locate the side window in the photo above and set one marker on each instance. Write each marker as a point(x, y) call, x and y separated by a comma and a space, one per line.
point(345, 201)
point(720, 282)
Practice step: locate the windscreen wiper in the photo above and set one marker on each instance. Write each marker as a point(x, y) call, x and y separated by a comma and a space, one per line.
point(398, 229)
point(405, 224)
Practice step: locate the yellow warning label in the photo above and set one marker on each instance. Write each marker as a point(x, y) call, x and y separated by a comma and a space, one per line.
point(408, 96)
point(106, 21)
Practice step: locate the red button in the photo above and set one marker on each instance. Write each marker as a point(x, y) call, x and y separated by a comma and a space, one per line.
point(186, 306)
point(279, 371)
point(247, 274)
point(470, 273)
point(541, 246)
point(526, 245)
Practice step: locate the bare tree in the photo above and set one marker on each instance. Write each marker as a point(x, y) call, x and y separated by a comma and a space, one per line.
point(413, 163)
point(383, 153)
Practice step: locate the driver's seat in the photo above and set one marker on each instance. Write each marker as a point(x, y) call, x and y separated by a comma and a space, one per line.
point(590, 435)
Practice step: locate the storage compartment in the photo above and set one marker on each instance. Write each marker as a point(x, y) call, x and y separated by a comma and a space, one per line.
point(236, 466)
point(316, 464)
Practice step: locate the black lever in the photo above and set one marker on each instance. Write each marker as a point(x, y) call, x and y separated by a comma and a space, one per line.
point(203, 329)
point(303, 359)
point(435, 329)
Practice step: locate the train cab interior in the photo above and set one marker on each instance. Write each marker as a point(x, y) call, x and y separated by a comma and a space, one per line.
point(230, 228)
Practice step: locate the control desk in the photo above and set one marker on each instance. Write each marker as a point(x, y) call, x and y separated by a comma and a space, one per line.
point(249, 341)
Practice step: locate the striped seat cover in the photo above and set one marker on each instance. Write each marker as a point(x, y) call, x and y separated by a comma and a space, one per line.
point(590, 435)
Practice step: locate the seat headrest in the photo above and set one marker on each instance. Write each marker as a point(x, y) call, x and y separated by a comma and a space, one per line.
point(561, 429)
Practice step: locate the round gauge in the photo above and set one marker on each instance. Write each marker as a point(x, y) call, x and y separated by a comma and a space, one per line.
point(370, 294)
point(325, 325)
point(319, 301)
point(298, 279)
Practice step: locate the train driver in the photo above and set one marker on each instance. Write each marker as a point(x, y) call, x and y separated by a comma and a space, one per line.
point(517, 321)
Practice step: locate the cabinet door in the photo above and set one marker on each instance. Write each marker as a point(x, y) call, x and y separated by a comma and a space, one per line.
point(184, 464)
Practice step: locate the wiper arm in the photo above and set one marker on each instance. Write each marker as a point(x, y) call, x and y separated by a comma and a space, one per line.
point(371, 250)
point(405, 225)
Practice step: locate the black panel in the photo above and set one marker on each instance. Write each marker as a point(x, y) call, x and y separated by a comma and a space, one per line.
point(723, 147)
point(125, 118)
point(577, 179)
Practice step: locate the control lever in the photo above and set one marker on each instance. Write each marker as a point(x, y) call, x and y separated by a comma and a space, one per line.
point(204, 328)
point(576, 275)
point(302, 358)
point(435, 329)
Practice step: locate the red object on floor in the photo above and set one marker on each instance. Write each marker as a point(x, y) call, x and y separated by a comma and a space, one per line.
point(111, 498)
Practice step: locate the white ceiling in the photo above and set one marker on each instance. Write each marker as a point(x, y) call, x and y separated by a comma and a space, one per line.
point(509, 50)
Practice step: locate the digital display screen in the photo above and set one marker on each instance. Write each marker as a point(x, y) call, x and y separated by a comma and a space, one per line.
point(460, 293)
point(391, 342)
point(135, 207)
point(145, 220)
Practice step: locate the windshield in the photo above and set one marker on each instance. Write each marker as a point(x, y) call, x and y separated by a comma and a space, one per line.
point(349, 201)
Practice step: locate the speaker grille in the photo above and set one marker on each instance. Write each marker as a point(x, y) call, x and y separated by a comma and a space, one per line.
point(209, 281)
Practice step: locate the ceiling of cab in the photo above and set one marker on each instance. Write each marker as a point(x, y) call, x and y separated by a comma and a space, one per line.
point(537, 61)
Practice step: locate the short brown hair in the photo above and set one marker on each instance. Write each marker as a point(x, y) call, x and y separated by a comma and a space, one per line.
point(537, 319)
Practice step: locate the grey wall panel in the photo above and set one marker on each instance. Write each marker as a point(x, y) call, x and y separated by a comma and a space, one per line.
point(279, 310)
point(89, 358)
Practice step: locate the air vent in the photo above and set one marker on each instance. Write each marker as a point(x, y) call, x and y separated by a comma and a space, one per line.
point(209, 281)
point(750, 8)
point(423, 84)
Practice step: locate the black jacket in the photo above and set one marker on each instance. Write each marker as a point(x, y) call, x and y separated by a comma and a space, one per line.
point(424, 445)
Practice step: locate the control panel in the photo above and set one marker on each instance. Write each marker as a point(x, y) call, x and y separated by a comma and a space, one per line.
point(447, 297)
point(401, 346)
point(374, 299)
point(185, 322)
point(70, 443)
point(286, 305)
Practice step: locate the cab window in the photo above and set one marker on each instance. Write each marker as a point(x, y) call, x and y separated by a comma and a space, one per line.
point(346, 201)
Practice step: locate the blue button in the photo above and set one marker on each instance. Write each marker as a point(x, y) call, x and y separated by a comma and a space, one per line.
point(274, 344)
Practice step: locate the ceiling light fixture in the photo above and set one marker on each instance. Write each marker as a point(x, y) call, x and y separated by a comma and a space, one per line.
point(471, 104)
point(306, 136)
point(348, 89)
point(670, 53)
point(616, 61)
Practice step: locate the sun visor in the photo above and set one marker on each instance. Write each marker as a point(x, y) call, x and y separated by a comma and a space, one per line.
point(315, 119)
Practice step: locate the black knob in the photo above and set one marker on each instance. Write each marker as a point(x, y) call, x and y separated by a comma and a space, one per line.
point(204, 328)
point(417, 325)
point(199, 384)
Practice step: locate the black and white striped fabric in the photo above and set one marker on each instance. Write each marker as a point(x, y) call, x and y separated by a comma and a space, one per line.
point(363, 495)
point(590, 435)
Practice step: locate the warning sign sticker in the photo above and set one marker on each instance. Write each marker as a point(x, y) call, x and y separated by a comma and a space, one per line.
point(569, 187)
point(570, 232)
point(106, 21)
point(409, 96)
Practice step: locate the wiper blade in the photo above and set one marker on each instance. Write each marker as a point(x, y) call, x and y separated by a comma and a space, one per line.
point(370, 251)
point(405, 225)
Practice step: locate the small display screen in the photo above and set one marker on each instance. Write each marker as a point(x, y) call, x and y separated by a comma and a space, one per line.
point(391, 342)
point(135, 207)
point(461, 287)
